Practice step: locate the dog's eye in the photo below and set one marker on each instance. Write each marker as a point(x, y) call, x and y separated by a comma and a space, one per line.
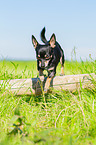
point(47, 56)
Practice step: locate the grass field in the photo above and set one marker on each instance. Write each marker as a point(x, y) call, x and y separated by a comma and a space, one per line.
point(67, 118)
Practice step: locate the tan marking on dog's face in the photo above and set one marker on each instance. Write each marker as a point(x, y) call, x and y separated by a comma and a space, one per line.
point(39, 63)
point(46, 63)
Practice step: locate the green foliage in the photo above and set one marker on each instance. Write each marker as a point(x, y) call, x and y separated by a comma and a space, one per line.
point(62, 118)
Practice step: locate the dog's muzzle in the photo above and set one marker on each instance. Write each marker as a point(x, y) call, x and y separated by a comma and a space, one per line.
point(43, 63)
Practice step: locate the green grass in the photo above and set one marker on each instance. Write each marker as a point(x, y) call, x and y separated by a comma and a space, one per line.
point(63, 118)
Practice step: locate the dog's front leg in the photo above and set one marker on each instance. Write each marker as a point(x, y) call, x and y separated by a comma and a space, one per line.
point(41, 75)
point(51, 74)
point(47, 84)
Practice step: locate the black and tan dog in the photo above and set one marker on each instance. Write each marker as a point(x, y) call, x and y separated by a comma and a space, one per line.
point(48, 57)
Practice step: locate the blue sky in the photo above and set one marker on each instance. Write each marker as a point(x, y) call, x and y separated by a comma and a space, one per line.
point(72, 21)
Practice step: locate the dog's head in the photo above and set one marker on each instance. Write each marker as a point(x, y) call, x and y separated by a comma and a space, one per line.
point(44, 53)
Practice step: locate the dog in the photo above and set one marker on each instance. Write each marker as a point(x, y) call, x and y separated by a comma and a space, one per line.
point(48, 56)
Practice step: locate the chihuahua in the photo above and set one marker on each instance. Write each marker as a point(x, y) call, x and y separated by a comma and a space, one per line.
point(48, 56)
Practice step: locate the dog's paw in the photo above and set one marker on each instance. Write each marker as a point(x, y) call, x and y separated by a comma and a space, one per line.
point(41, 78)
point(45, 90)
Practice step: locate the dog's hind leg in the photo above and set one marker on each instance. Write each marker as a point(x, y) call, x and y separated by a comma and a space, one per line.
point(62, 64)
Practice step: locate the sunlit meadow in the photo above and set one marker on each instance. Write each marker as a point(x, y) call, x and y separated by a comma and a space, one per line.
point(67, 118)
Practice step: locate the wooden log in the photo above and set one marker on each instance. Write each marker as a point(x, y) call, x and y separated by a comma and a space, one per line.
point(35, 86)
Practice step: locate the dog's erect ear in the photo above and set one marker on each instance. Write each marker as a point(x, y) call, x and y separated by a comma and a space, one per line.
point(34, 41)
point(52, 40)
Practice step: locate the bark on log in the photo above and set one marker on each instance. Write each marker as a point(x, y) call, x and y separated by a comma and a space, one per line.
point(35, 86)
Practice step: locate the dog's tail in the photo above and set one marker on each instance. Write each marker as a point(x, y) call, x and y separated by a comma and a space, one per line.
point(42, 34)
